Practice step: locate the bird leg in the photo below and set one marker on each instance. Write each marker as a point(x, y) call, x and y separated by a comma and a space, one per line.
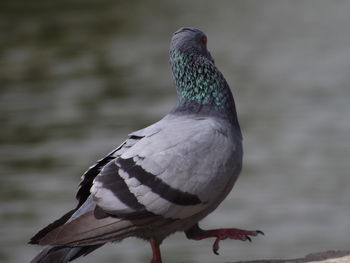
point(156, 258)
point(197, 233)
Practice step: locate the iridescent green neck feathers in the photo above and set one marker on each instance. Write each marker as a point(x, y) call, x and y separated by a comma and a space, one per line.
point(198, 80)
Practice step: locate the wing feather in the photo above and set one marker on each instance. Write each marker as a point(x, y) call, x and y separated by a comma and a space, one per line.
point(172, 170)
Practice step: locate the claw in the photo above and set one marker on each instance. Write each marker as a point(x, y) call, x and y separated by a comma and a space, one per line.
point(216, 246)
point(260, 232)
point(248, 238)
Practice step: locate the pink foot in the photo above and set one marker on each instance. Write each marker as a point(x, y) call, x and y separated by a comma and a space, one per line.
point(197, 233)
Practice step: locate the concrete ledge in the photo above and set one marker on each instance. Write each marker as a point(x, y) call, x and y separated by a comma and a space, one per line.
point(332, 256)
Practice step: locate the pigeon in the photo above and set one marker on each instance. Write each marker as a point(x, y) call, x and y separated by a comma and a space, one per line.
point(164, 178)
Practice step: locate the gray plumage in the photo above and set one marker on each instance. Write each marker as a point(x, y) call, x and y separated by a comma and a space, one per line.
point(164, 178)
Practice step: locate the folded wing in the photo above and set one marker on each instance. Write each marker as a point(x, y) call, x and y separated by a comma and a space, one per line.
point(172, 172)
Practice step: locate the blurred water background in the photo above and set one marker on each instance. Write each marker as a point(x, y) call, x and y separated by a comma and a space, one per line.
point(77, 76)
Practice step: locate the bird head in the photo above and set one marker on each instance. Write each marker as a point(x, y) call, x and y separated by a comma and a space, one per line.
point(190, 41)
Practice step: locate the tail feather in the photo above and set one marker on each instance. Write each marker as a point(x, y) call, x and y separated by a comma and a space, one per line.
point(61, 221)
point(62, 254)
point(87, 230)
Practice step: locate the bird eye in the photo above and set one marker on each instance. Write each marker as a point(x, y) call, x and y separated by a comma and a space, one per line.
point(203, 40)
